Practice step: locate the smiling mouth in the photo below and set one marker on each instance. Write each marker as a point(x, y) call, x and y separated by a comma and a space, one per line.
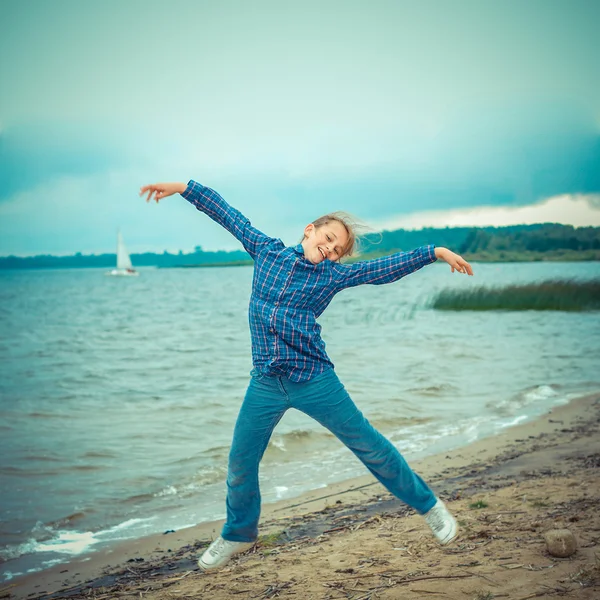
point(321, 251)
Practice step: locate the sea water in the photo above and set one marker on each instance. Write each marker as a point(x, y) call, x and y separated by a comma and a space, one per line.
point(118, 396)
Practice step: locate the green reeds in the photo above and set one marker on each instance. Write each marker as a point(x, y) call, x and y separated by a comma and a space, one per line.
point(569, 295)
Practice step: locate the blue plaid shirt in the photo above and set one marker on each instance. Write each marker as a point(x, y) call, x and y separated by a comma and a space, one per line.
point(289, 293)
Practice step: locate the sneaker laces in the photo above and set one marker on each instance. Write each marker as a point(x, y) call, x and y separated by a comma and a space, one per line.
point(436, 519)
point(215, 551)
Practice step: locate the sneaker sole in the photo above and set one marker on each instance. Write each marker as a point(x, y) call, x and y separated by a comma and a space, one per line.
point(451, 539)
point(204, 567)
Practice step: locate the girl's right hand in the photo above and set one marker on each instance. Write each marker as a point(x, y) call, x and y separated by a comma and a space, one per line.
point(162, 190)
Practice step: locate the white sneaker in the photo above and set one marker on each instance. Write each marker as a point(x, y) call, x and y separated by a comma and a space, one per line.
point(442, 523)
point(220, 552)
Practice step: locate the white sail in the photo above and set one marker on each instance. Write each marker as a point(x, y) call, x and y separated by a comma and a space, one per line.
point(124, 267)
point(123, 260)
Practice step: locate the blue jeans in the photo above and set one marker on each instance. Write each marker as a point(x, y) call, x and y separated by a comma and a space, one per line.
point(325, 399)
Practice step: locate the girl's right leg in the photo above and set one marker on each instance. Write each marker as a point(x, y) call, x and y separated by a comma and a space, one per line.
point(262, 409)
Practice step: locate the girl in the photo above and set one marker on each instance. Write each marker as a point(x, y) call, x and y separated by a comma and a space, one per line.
point(292, 286)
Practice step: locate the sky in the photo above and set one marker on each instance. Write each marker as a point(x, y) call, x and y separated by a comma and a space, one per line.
point(406, 114)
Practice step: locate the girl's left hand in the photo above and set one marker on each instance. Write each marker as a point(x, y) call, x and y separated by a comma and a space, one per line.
point(456, 262)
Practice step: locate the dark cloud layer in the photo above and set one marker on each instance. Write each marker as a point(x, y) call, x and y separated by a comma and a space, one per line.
point(37, 154)
point(506, 155)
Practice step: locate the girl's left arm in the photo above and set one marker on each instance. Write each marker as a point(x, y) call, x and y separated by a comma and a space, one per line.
point(386, 269)
point(391, 268)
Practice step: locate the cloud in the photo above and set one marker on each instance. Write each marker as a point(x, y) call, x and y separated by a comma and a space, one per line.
point(580, 210)
point(67, 188)
point(41, 153)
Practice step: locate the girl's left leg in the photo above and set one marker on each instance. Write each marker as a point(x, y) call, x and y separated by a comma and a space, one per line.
point(326, 400)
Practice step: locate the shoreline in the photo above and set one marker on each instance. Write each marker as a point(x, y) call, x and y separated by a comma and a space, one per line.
point(479, 469)
point(474, 258)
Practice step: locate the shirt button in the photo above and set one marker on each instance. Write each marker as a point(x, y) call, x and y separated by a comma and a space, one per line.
point(272, 330)
point(276, 303)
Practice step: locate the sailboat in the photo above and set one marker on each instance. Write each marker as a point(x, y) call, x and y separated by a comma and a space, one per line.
point(124, 266)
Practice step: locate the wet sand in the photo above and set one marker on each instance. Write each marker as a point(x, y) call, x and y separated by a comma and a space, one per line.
point(354, 540)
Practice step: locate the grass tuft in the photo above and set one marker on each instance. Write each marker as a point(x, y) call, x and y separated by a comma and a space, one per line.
point(588, 576)
point(271, 540)
point(479, 504)
point(540, 504)
point(568, 295)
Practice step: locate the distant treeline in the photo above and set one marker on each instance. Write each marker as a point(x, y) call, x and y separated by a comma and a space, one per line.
point(542, 241)
point(547, 241)
point(148, 259)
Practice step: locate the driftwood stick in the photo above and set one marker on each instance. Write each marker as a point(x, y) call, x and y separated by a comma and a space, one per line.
point(177, 578)
point(538, 594)
point(435, 577)
point(6, 589)
point(336, 529)
point(360, 487)
point(482, 575)
point(507, 512)
point(403, 581)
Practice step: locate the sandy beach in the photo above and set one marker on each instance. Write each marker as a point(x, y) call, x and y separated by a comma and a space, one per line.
point(353, 540)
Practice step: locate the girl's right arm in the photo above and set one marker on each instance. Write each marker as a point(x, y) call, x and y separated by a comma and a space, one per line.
point(209, 202)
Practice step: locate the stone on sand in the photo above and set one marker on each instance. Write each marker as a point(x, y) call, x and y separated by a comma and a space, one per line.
point(560, 542)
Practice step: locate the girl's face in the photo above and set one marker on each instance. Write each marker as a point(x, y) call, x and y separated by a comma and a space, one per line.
point(324, 243)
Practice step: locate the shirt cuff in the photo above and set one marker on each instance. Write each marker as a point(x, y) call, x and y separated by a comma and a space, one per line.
point(189, 190)
point(431, 253)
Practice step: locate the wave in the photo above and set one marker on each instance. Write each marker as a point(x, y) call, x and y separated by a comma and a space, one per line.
point(48, 538)
point(527, 397)
point(396, 422)
point(203, 477)
point(68, 520)
point(434, 390)
point(99, 454)
point(321, 439)
point(297, 439)
point(18, 472)
point(41, 458)
point(137, 498)
point(29, 472)
point(48, 415)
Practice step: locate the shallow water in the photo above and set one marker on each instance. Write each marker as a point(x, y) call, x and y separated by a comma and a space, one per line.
point(118, 396)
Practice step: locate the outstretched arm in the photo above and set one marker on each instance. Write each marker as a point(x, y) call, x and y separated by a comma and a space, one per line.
point(388, 269)
point(209, 202)
point(456, 262)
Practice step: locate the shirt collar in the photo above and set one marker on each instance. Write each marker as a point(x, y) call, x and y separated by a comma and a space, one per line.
point(299, 249)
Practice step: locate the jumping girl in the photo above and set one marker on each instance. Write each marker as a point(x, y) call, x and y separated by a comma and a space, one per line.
point(291, 288)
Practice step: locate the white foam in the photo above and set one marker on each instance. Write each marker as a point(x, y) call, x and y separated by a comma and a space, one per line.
point(8, 575)
point(280, 491)
point(514, 422)
point(123, 526)
point(279, 444)
point(68, 542)
point(72, 543)
point(170, 490)
point(542, 392)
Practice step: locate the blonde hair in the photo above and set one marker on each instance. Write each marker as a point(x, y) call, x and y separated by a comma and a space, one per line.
point(352, 226)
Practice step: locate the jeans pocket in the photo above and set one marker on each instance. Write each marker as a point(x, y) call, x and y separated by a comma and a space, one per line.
point(326, 374)
point(256, 375)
